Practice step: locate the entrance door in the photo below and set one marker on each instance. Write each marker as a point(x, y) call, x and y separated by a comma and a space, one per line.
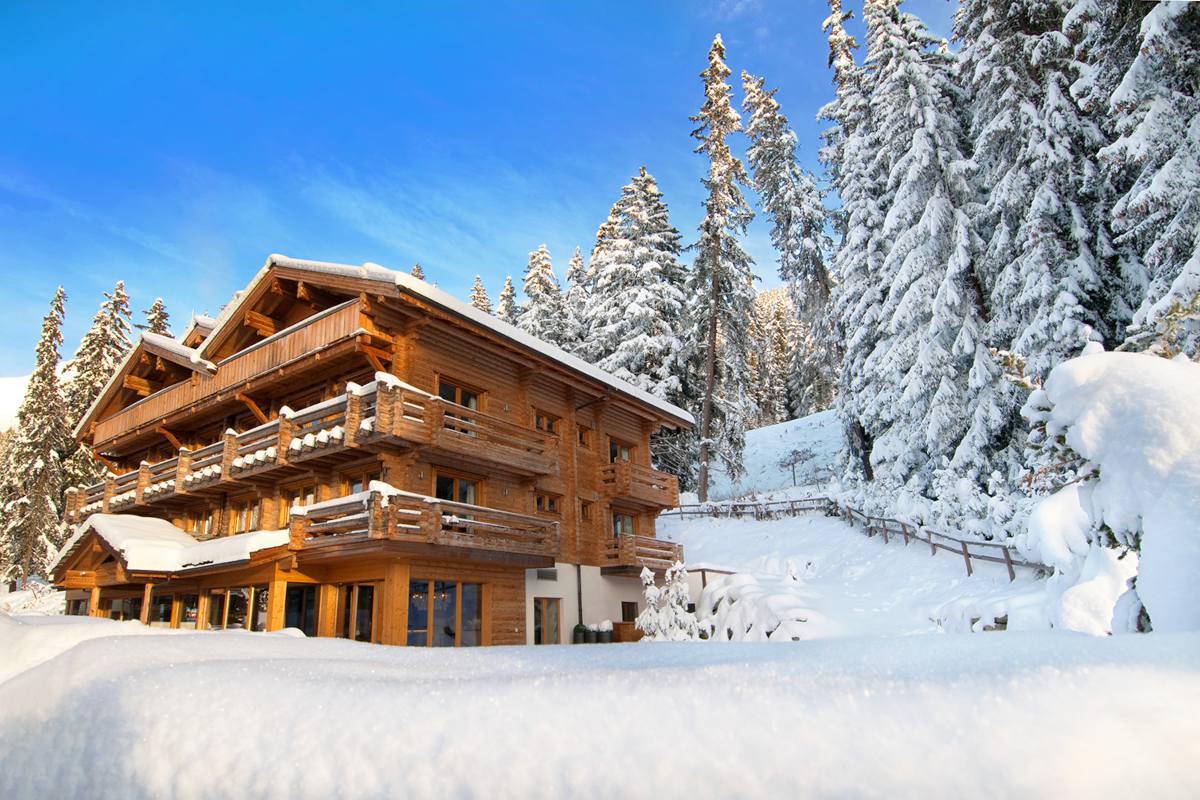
point(358, 612)
point(547, 616)
point(300, 608)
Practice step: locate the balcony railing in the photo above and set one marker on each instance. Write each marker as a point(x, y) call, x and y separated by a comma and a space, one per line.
point(383, 512)
point(313, 334)
point(383, 410)
point(635, 552)
point(634, 483)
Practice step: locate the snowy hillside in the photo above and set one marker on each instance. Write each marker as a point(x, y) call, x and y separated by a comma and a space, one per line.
point(816, 439)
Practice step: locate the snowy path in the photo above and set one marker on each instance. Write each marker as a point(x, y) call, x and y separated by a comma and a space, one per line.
point(190, 715)
point(851, 585)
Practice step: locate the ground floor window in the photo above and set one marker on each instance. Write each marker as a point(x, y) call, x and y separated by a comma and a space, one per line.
point(547, 616)
point(300, 608)
point(123, 608)
point(262, 608)
point(77, 607)
point(160, 610)
point(629, 611)
point(189, 610)
point(237, 607)
point(445, 614)
point(358, 612)
point(216, 610)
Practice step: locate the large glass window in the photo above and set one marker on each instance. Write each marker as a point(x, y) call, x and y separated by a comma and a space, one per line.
point(622, 523)
point(546, 620)
point(462, 396)
point(124, 608)
point(445, 611)
point(189, 610)
point(160, 610)
point(619, 451)
point(445, 614)
point(471, 618)
point(216, 610)
point(364, 613)
point(299, 496)
point(262, 602)
point(238, 610)
point(359, 481)
point(300, 608)
point(418, 613)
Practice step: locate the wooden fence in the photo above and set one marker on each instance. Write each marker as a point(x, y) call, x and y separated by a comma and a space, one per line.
point(968, 549)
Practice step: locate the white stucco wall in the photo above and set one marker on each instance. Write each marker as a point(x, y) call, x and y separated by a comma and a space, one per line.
point(602, 597)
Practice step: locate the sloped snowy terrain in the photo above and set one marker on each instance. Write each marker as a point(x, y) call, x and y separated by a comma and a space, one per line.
point(195, 715)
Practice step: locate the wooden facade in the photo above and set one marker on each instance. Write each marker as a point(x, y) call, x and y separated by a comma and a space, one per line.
point(407, 445)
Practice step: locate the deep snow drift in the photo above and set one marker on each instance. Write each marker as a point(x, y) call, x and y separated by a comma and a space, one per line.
point(191, 715)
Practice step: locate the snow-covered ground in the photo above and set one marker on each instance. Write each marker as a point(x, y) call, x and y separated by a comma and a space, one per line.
point(817, 438)
point(137, 713)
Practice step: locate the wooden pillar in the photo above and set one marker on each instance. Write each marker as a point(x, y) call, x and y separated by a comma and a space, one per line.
point(276, 602)
point(327, 597)
point(176, 610)
point(146, 593)
point(393, 616)
point(353, 415)
point(202, 610)
point(569, 545)
point(143, 481)
point(94, 602)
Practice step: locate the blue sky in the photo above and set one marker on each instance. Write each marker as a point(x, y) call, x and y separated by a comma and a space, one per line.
point(176, 145)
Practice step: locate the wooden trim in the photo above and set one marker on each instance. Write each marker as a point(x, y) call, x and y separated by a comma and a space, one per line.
point(253, 406)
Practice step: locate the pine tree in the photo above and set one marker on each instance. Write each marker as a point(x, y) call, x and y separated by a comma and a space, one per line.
point(157, 319)
point(577, 301)
point(100, 353)
point(32, 530)
point(665, 617)
point(544, 313)
point(418, 272)
point(1156, 154)
point(848, 154)
point(636, 308)
point(798, 218)
point(931, 314)
point(507, 308)
point(722, 280)
point(775, 333)
point(479, 296)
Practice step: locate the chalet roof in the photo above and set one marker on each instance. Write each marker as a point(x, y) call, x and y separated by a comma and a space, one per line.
point(405, 282)
point(146, 544)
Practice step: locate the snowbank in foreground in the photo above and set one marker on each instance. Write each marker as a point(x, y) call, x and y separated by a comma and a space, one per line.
point(251, 715)
point(1134, 418)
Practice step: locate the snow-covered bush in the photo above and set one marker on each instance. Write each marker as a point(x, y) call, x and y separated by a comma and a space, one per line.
point(741, 608)
point(666, 617)
point(1120, 529)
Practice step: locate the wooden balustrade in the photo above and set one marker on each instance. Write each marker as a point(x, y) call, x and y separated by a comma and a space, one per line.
point(624, 480)
point(632, 553)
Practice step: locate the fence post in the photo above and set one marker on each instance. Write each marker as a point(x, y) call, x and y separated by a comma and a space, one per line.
point(1012, 574)
point(885, 531)
point(932, 545)
point(966, 558)
point(904, 530)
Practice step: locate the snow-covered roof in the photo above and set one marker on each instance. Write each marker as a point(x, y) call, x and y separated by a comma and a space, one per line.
point(375, 272)
point(147, 544)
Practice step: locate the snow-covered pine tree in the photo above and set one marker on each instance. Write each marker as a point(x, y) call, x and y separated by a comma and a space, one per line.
point(637, 303)
point(100, 352)
point(932, 312)
point(544, 312)
point(848, 155)
point(1034, 152)
point(794, 203)
point(1156, 154)
point(577, 299)
point(157, 319)
point(479, 296)
point(507, 308)
point(721, 282)
point(32, 529)
point(666, 617)
point(418, 272)
point(775, 333)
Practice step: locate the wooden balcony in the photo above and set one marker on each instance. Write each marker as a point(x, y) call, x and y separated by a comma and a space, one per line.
point(312, 336)
point(424, 525)
point(369, 417)
point(638, 485)
point(627, 555)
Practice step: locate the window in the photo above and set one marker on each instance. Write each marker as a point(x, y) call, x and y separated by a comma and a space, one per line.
point(468, 398)
point(545, 422)
point(237, 607)
point(77, 607)
point(244, 515)
point(262, 607)
point(160, 610)
point(547, 503)
point(199, 523)
point(455, 488)
point(585, 509)
point(358, 612)
point(445, 614)
point(546, 619)
point(619, 451)
point(189, 610)
point(300, 608)
point(629, 611)
point(584, 437)
point(622, 523)
point(356, 482)
point(299, 496)
point(216, 609)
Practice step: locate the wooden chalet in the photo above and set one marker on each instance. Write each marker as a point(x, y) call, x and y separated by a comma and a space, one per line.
point(350, 451)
